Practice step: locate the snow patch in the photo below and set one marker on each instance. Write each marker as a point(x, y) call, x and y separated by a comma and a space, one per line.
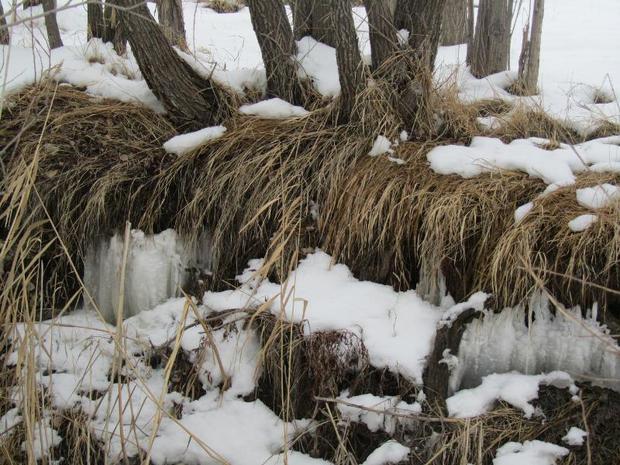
point(274, 108)
point(598, 196)
point(387, 453)
point(575, 436)
point(530, 453)
point(582, 222)
point(377, 412)
point(184, 143)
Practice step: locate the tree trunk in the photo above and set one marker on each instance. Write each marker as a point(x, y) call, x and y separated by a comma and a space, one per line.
point(170, 16)
point(350, 69)
point(401, 14)
point(302, 18)
point(491, 44)
point(191, 100)
point(529, 62)
point(275, 38)
point(322, 22)
point(114, 27)
point(383, 40)
point(424, 29)
point(436, 376)
point(53, 33)
point(4, 29)
point(454, 29)
point(96, 26)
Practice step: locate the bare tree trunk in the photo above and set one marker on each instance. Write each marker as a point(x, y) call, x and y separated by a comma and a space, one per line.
point(114, 27)
point(96, 26)
point(402, 15)
point(53, 33)
point(4, 29)
point(383, 41)
point(322, 24)
point(424, 29)
point(275, 38)
point(190, 99)
point(470, 28)
point(350, 69)
point(170, 16)
point(302, 18)
point(491, 44)
point(529, 61)
point(454, 29)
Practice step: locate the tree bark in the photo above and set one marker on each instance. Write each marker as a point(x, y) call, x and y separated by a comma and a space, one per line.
point(114, 27)
point(401, 14)
point(436, 376)
point(529, 62)
point(275, 39)
point(491, 44)
point(425, 29)
point(96, 25)
point(322, 22)
point(4, 29)
point(383, 40)
point(191, 100)
point(454, 29)
point(53, 33)
point(170, 16)
point(302, 18)
point(350, 69)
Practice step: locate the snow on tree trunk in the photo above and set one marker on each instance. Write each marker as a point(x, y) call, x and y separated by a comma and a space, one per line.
point(4, 30)
point(53, 33)
point(191, 100)
point(383, 41)
point(455, 26)
point(491, 42)
point(170, 16)
point(96, 27)
point(529, 61)
point(350, 69)
point(114, 27)
point(275, 38)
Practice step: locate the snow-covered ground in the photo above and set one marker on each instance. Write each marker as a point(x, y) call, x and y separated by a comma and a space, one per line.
point(75, 353)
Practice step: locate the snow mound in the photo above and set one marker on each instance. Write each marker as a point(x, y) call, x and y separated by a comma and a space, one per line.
point(386, 453)
point(514, 388)
point(397, 328)
point(575, 436)
point(530, 453)
point(274, 108)
point(557, 166)
point(381, 145)
point(184, 143)
point(582, 222)
point(318, 62)
point(598, 196)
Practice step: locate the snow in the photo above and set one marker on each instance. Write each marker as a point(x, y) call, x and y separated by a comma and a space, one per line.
point(538, 338)
point(557, 166)
point(44, 438)
point(575, 436)
point(9, 420)
point(274, 108)
point(529, 453)
point(598, 196)
point(318, 63)
point(184, 143)
point(522, 211)
point(476, 302)
point(387, 453)
point(376, 412)
point(582, 222)
point(381, 145)
point(514, 388)
point(397, 328)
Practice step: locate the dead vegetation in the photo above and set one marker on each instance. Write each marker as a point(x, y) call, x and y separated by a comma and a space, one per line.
point(77, 168)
